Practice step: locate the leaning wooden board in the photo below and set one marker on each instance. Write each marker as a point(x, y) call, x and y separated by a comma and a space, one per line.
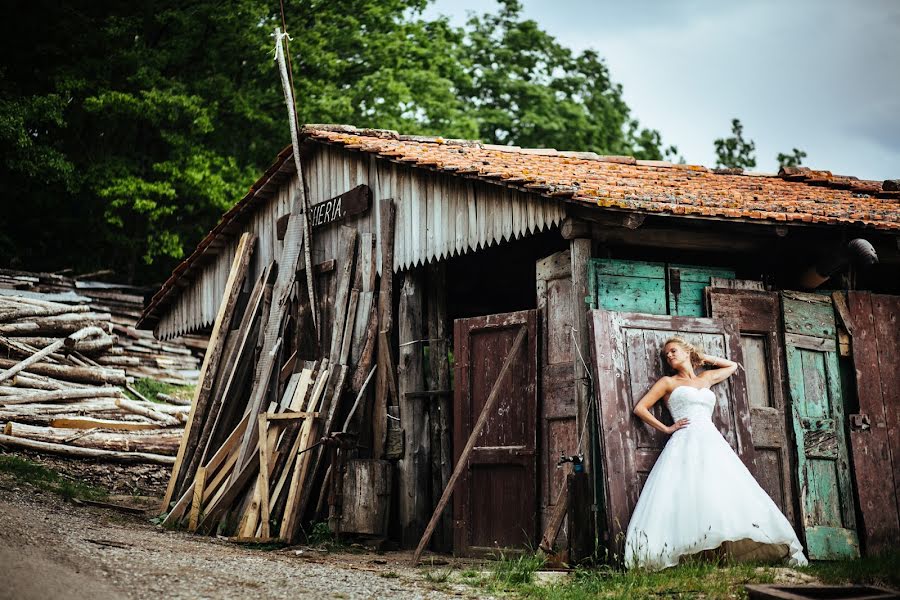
point(875, 428)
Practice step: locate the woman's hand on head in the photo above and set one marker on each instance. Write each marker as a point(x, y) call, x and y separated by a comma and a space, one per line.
point(679, 424)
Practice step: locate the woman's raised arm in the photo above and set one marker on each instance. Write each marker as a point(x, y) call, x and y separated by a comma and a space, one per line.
point(722, 369)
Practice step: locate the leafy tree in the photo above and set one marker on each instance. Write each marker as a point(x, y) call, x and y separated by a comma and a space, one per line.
point(527, 89)
point(735, 151)
point(127, 129)
point(795, 159)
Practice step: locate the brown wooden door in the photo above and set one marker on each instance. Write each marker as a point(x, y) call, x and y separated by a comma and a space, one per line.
point(557, 433)
point(756, 314)
point(875, 430)
point(628, 360)
point(495, 504)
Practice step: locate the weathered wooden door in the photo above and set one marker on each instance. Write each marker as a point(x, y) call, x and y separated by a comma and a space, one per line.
point(756, 314)
point(495, 503)
point(826, 499)
point(557, 433)
point(875, 429)
point(628, 360)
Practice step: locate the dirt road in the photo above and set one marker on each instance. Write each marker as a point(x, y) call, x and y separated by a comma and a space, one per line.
point(51, 548)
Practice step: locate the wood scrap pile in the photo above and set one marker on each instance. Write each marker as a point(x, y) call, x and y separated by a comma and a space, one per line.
point(282, 386)
point(136, 351)
point(56, 394)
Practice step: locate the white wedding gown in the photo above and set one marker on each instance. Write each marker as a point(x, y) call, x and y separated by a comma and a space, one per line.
point(700, 496)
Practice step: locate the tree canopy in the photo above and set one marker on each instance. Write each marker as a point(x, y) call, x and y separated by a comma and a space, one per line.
point(735, 152)
point(127, 129)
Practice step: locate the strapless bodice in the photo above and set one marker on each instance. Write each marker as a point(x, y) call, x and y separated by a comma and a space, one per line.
point(696, 404)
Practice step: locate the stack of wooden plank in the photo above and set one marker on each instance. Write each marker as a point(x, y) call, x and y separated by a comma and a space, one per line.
point(55, 395)
point(174, 361)
point(280, 383)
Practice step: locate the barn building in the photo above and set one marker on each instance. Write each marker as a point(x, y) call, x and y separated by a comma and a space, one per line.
point(596, 260)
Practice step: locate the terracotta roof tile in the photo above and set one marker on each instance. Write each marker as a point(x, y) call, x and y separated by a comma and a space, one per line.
point(796, 194)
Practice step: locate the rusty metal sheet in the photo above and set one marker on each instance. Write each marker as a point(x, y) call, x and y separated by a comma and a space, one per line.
point(874, 429)
point(495, 503)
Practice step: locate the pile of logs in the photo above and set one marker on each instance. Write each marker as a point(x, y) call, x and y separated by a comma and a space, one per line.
point(136, 351)
point(60, 394)
point(282, 392)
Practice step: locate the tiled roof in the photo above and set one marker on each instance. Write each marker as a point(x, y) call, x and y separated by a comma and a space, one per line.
point(797, 195)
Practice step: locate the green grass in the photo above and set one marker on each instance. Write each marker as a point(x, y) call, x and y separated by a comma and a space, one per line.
point(320, 536)
point(150, 387)
point(881, 570)
point(29, 472)
point(694, 578)
point(511, 573)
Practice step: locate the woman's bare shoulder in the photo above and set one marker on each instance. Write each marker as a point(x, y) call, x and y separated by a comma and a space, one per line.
point(666, 382)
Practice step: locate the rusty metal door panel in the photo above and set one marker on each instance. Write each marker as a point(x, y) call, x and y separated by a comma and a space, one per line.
point(495, 503)
point(817, 407)
point(558, 433)
point(875, 430)
point(756, 314)
point(628, 360)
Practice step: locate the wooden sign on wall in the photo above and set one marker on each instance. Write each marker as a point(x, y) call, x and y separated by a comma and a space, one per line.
point(354, 202)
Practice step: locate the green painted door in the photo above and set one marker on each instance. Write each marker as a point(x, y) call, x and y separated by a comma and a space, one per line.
point(650, 287)
point(826, 499)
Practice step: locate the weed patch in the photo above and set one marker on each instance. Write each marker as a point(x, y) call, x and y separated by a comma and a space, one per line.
point(877, 570)
point(29, 472)
point(148, 388)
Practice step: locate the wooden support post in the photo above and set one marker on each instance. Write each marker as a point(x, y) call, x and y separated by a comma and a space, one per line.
point(473, 437)
point(580, 252)
point(385, 323)
point(439, 407)
point(415, 483)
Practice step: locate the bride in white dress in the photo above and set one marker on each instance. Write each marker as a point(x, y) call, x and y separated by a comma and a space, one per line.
point(699, 495)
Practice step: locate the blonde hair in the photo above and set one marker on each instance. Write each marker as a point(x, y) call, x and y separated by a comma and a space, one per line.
point(688, 347)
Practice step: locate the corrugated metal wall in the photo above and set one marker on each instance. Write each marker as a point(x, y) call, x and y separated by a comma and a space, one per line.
point(438, 216)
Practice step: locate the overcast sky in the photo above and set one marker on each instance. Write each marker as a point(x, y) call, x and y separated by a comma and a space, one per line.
point(819, 75)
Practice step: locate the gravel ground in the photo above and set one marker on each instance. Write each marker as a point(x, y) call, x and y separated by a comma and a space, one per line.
point(51, 548)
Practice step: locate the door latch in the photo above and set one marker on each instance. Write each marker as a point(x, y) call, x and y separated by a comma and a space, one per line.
point(860, 422)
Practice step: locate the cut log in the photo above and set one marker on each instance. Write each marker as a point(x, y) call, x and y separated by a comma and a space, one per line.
point(147, 411)
point(15, 311)
point(103, 455)
point(173, 399)
point(366, 497)
point(93, 375)
point(81, 334)
point(25, 347)
point(59, 325)
point(153, 441)
point(91, 423)
point(36, 382)
point(59, 395)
